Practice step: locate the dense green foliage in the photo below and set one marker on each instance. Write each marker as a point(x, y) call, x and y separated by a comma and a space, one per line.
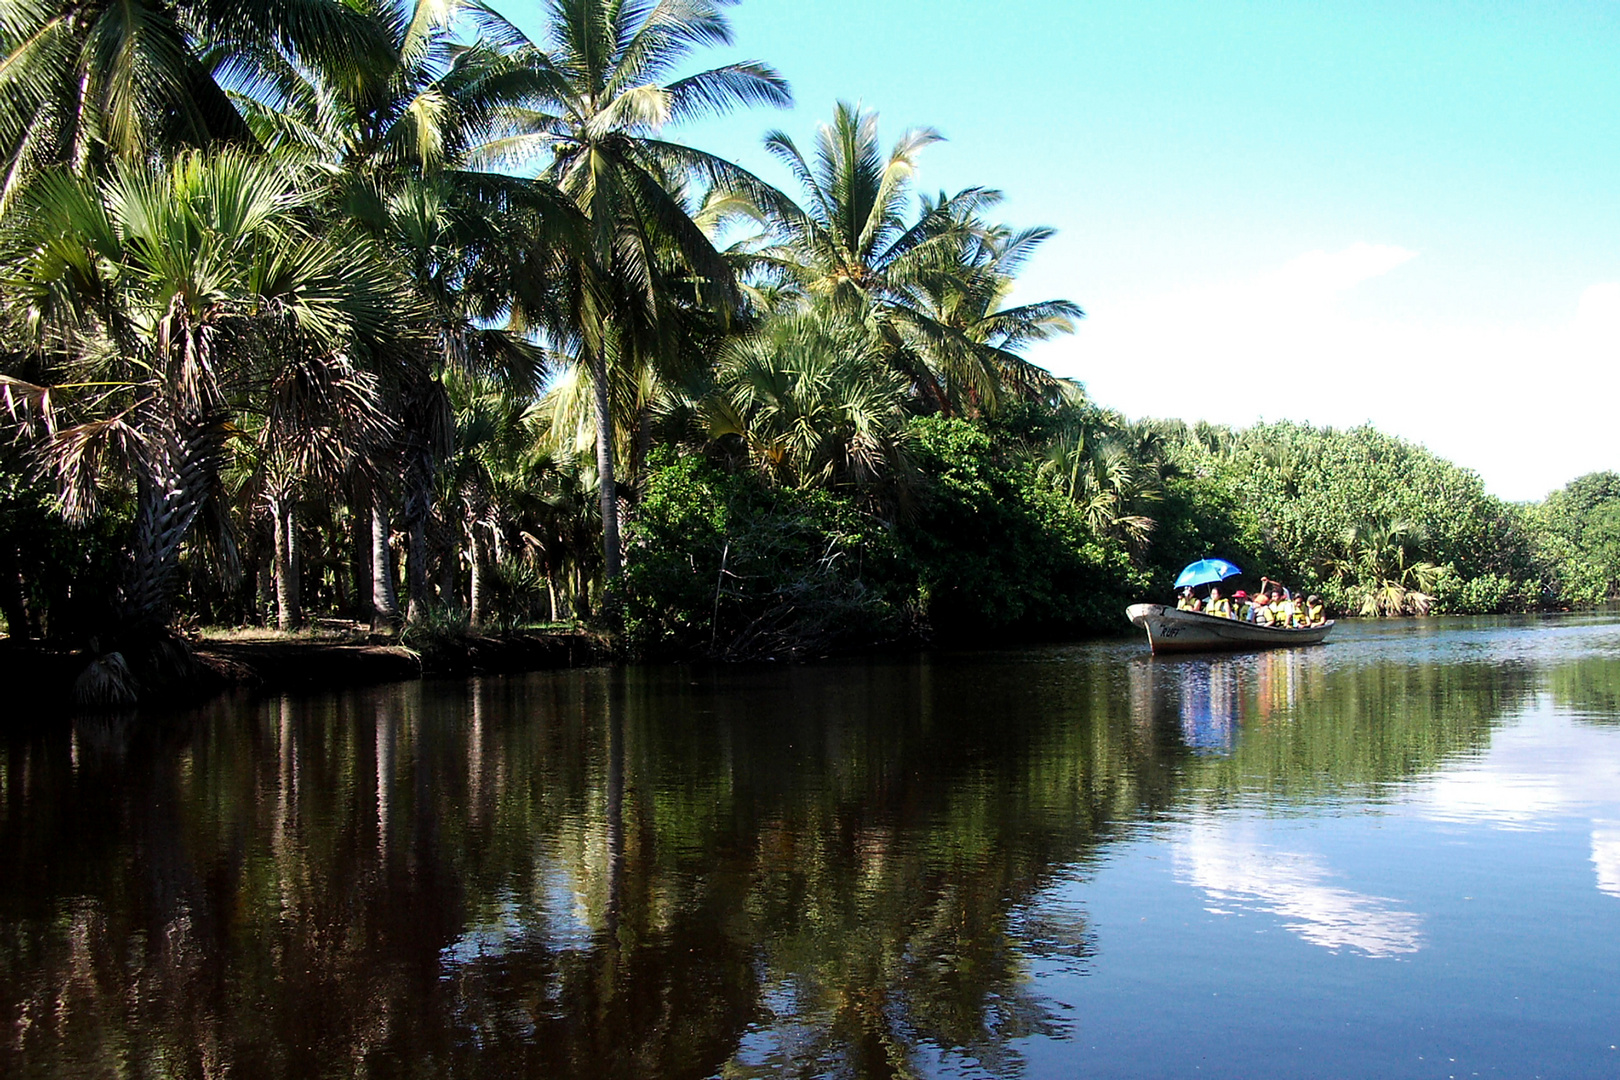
point(1577, 539)
point(390, 312)
point(724, 564)
point(1368, 520)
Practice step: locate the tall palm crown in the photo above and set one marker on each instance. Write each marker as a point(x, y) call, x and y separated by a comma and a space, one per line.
point(853, 235)
point(969, 343)
point(609, 93)
point(399, 142)
point(86, 81)
point(933, 283)
point(425, 100)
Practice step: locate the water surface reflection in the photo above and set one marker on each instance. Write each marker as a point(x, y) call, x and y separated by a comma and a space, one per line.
point(860, 869)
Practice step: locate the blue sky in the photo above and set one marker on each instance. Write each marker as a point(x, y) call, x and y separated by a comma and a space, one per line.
point(1396, 212)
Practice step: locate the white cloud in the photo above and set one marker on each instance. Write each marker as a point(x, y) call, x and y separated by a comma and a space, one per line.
point(1233, 869)
point(1283, 344)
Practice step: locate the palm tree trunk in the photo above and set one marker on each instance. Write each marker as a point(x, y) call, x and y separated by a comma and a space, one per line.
point(478, 560)
point(267, 586)
point(288, 613)
point(360, 561)
point(384, 603)
point(18, 625)
point(450, 572)
point(582, 593)
point(416, 576)
point(611, 569)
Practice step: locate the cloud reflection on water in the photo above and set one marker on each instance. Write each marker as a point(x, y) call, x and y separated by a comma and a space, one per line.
point(1550, 767)
point(1606, 857)
point(1234, 869)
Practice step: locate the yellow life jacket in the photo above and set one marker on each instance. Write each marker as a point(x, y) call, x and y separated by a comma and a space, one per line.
point(1316, 614)
point(1221, 607)
point(1185, 603)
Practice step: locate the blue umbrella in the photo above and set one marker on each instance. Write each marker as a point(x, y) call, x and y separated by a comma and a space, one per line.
point(1205, 571)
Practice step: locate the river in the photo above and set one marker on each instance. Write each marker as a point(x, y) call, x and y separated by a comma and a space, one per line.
point(1396, 855)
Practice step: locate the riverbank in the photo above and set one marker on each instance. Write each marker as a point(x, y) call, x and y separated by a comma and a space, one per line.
point(39, 678)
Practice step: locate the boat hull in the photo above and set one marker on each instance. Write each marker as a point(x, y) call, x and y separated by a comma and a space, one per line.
point(1170, 630)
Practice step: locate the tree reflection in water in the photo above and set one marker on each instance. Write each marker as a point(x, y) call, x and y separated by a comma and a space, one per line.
point(657, 872)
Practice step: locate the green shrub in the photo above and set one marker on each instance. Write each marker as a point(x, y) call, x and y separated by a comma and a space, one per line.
point(724, 566)
point(1487, 594)
point(997, 551)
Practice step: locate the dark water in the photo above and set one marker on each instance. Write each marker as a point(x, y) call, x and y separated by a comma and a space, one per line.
point(1397, 855)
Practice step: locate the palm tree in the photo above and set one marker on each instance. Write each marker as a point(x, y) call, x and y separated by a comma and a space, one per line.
point(933, 286)
point(964, 342)
point(812, 400)
point(395, 141)
point(602, 114)
point(1382, 565)
point(316, 423)
point(495, 438)
point(164, 301)
point(1113, 470)
point(86, 82)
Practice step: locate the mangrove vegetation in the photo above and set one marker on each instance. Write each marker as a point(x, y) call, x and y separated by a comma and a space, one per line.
point(405, 315)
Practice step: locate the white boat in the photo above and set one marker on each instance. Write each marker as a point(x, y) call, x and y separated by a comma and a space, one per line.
point(1172, 630)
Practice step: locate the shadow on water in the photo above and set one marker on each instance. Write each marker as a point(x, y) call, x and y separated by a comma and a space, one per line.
point(656, 872)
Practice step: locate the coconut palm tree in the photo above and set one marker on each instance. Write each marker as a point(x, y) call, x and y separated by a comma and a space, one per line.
point(611, 91)
point(964, 342)
point(86, 82)
point(395, 141)
point(164, 301)
point(934, 285)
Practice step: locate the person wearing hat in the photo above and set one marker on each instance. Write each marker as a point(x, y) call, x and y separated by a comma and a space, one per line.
point(1242, 610)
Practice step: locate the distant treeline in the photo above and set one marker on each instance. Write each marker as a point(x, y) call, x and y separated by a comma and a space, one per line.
point(392, 312)
point(1050, 520)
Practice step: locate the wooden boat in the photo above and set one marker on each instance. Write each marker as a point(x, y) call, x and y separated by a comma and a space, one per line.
point(1171, 630)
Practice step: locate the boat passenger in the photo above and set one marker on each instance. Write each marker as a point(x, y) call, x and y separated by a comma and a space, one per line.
point(1260, 613)
point(1315, 613)
point(1218, 605)
point(1186, 601)
point(1282, 608)
point(1242, 610)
